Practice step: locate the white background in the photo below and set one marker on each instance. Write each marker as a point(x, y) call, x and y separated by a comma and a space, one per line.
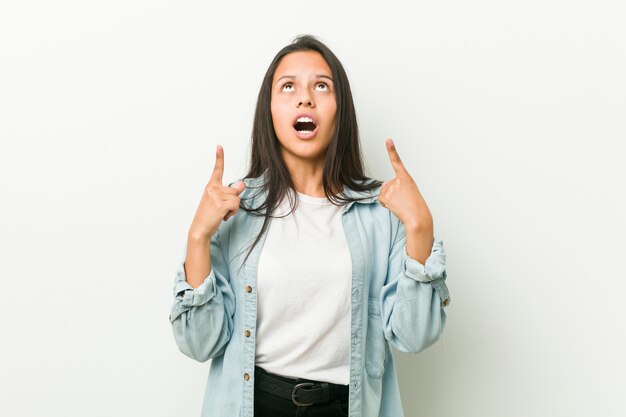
point(509, 115)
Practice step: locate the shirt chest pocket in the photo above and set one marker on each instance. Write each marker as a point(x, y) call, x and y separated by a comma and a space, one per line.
point(376, 347)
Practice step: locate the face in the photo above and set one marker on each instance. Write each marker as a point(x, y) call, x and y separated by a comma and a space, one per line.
point(303, 106)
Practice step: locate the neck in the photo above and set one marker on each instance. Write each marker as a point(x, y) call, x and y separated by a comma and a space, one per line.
point(306, 175)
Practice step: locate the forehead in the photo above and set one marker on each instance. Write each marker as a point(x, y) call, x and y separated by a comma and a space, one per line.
point(302, 64)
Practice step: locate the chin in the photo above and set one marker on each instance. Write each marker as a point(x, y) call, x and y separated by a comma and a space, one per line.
point(307, 151)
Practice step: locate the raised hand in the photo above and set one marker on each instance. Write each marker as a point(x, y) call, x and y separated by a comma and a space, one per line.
point(401, 196)
point(218, 202)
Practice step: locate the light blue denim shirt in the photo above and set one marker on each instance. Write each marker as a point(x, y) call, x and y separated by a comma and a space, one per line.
point(395, 300)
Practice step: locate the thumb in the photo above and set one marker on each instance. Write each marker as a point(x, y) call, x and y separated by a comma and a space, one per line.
point(239, 186)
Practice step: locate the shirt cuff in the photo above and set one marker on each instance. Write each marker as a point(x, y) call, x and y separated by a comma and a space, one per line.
point(190, 296)
point(433, 268)
point(432, 271)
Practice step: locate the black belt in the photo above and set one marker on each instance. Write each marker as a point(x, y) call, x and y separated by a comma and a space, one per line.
point(302, 392)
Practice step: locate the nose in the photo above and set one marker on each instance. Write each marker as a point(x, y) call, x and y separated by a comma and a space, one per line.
point(306, 101)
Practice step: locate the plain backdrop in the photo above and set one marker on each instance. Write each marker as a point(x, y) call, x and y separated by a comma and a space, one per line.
point(508, 115)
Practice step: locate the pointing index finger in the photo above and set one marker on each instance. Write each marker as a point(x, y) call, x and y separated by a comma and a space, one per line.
point(394, 157)
point(218, 169)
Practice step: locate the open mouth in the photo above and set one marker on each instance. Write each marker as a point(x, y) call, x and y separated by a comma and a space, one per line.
point(305, 125)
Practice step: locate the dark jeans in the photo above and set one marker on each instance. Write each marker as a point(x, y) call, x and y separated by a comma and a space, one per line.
point(270, 405)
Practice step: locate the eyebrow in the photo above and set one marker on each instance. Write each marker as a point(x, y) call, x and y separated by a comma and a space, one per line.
point(293, 76)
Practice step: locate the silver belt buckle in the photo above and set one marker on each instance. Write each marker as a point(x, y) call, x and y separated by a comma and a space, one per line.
point(293, 393)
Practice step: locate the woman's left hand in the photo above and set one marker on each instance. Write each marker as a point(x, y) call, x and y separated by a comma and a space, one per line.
point(401, 196)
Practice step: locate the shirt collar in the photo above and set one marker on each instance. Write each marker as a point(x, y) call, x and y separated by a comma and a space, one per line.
point(367, 196)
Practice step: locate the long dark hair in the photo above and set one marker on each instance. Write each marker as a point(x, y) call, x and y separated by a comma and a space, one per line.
point(343, 164)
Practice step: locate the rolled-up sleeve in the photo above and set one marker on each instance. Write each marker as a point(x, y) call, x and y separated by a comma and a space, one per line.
point(414, 296)
point(202, 317)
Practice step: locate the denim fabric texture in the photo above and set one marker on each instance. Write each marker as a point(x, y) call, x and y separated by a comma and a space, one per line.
point(396, 301)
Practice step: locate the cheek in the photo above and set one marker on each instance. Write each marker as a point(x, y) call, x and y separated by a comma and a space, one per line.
point(332, 116)
point(332, 109)
point(276, 119)
point(282, 124)
point(278, 113)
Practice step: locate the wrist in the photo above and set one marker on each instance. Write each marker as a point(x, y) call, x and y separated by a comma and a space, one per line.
point(198, 238)
point(419, 229)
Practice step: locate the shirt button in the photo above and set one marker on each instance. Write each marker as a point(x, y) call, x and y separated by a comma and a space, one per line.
point(248, 288)
point(247, 333)
point(246, 377)
point(446, 302)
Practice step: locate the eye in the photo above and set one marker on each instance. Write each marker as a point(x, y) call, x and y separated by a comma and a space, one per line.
point(323, 85)
point(286, 85)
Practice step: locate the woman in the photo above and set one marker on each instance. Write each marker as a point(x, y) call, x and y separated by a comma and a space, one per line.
point(298, 298)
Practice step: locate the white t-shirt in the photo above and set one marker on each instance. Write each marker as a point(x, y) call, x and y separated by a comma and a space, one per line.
point(304, 282)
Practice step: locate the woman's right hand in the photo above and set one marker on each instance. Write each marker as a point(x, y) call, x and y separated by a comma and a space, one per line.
point(218, 202)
